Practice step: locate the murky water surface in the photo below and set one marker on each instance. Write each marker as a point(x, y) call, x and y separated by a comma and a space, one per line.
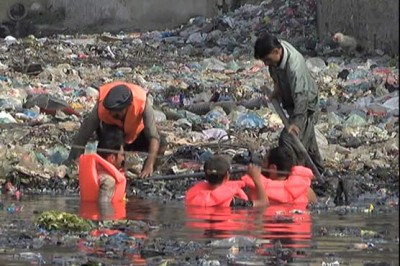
point(279, 235)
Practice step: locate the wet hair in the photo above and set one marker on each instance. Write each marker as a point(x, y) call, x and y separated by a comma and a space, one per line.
point(265, 44)
point(111, 139)
point(216, 168)
point(282, 158)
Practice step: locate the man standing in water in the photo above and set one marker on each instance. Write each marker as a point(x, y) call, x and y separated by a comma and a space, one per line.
point(295, 88)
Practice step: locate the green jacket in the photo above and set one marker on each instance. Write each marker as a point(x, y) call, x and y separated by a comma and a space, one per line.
point(298, 91)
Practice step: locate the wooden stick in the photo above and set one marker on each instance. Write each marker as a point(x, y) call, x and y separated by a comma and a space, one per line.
point(202, 174)
point(111, 150)
point(233, 145)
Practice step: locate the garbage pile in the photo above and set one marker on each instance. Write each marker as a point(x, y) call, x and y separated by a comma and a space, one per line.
point(207, 92)
point(231, 34)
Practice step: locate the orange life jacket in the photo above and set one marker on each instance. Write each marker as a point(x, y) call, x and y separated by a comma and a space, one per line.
point(89, 181)
point(133, 123)
point(291, 190)
point(203, 195)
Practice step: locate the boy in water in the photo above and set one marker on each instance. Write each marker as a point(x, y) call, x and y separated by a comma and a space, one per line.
point(99, 174)
point(219, 191)
point(293, 187)
point(115, 157)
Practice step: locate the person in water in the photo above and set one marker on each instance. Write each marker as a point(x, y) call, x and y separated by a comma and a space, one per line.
point(99, 174)
point(116, 158)
point(294, 187)
point(219, 191)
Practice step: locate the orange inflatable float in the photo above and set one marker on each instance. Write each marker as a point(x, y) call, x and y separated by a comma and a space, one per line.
point(89, 178)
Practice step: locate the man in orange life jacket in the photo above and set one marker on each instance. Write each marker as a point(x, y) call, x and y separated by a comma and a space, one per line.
point(293, 188)
point(218, 191)
point(127, 106)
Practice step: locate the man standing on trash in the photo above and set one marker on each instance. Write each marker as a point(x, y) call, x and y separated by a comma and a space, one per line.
point(126, 106)
point(295, 88)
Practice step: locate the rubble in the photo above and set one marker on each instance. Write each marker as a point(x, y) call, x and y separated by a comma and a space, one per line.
point(207, 90)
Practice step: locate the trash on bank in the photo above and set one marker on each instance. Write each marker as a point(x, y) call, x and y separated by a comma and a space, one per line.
point(207, 84)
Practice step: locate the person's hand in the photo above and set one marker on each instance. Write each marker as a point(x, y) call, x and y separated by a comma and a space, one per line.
point(147, 171)
point(254, 171)
point(293, 129)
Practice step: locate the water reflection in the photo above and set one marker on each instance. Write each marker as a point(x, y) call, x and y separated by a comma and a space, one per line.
point(290, 233)
point(132, 210)
point(292, 224)
point(119, 235)
point(218, 222)
point(102, 210)
point(275, 227)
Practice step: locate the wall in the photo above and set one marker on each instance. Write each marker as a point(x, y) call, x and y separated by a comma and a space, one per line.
point(109, 15)
point(6, 4)
point(374, 23)
point(131, 14)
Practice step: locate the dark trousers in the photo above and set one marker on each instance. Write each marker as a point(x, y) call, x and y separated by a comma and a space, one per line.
point(309, 140)
point(141, 143)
